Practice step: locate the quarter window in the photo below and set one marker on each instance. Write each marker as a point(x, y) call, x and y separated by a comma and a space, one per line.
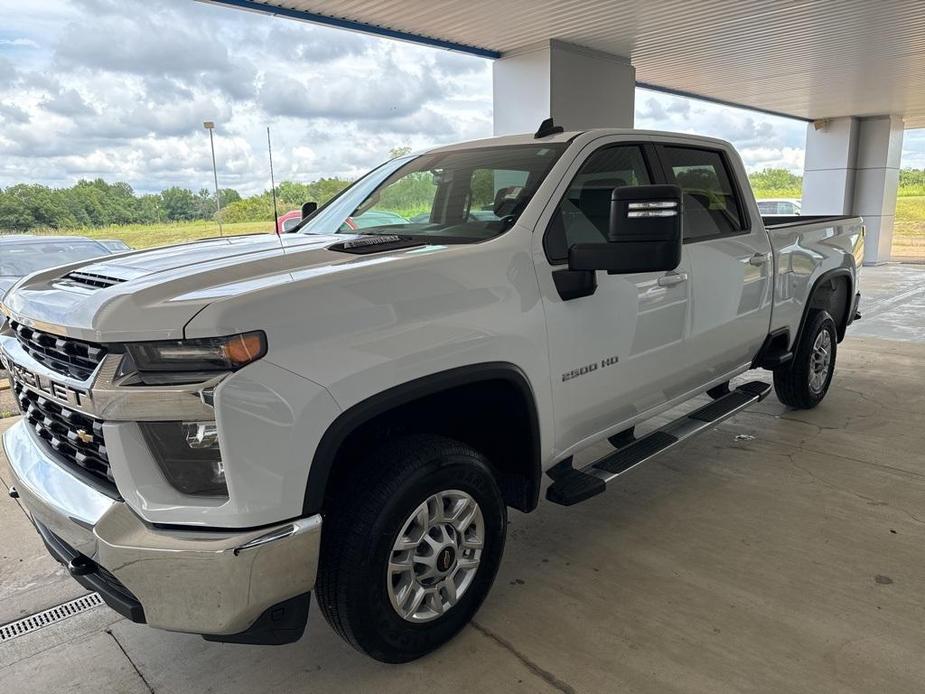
point(711, 207)
point(583, 214)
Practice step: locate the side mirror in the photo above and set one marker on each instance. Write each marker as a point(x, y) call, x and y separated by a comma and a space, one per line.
point(308, 208)
point(644, 234)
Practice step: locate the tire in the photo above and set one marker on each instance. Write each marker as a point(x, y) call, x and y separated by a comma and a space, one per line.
point(804, 381)
point(357, 590)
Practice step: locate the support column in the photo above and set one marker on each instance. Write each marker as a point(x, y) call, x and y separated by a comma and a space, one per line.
point(579, 87)
point(852, 167)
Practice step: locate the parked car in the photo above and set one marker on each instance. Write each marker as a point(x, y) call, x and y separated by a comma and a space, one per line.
point(115, 245)
point(213, 432)
point(22, 254)
point(287, 222)
point(372, 218)
point(779, 208)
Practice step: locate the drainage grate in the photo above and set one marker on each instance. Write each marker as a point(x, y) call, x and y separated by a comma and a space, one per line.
point(27, 625)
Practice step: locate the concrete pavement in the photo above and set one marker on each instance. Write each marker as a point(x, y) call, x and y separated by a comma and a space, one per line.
point(780, 552)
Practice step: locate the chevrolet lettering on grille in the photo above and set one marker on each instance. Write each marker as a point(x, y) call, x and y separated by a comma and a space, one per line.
point(46, 386)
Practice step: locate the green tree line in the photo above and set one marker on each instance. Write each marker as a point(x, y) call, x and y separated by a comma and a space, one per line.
point(98, 203)
point(24, 207)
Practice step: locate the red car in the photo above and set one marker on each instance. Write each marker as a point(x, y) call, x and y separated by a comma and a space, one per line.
point(287, 222)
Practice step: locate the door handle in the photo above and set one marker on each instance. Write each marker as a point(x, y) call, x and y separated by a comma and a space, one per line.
point(758, 259)
point(671, 279)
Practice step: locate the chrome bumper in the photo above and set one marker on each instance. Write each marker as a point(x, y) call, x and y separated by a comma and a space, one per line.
point(198, 581)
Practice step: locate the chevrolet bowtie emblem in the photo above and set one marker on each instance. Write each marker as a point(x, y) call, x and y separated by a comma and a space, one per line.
point(84, 436)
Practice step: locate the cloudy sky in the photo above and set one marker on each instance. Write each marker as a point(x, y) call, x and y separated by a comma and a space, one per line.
point(119, 89)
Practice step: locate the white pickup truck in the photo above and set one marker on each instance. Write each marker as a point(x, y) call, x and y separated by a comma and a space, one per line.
point(213, 431)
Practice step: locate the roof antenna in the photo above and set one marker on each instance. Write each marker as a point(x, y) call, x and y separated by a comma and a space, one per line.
point(547, 127)
point(273, 189)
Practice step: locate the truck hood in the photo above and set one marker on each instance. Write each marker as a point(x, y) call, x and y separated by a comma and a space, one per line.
point(153, 294)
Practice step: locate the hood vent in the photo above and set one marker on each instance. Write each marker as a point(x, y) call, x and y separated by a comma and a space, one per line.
point(375, 244)
point(92, 279)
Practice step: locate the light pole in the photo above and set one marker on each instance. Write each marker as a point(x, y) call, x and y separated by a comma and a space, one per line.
point(210, 126)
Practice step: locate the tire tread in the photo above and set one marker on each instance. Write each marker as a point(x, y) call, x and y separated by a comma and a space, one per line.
point(791, 381)
point(356, 508)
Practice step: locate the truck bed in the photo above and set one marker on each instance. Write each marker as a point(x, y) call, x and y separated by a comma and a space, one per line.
point(778, 221)
point(809, 249)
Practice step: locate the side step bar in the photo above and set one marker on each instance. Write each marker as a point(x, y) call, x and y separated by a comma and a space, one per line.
point(571, 486)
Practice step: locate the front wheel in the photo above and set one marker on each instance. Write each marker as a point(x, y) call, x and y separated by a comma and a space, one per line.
point(411, 547)
point(804, 381)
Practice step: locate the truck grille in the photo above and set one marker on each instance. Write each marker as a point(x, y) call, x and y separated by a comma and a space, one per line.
point(74, 358)
point(75, 437)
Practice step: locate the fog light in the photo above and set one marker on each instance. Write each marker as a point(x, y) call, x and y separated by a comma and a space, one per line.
point(189, 456)
point(201, 434)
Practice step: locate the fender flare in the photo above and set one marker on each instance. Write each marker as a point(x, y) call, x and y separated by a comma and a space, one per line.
point(825, 277)
point(380, 403)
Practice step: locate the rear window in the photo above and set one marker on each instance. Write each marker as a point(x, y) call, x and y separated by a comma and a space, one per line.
point(711, 204)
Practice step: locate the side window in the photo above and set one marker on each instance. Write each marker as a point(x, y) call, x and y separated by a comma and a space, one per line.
point(583, 214)
point(711, 207)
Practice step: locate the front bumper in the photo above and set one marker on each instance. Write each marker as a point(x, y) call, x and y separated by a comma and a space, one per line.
point(192, 580)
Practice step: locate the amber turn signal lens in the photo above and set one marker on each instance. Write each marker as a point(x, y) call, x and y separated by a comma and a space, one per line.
point(243, 349)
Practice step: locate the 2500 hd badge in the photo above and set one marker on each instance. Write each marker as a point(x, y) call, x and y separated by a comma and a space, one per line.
point(581, 371)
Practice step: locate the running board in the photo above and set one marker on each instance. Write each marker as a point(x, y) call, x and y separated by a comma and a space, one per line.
point(572, 486)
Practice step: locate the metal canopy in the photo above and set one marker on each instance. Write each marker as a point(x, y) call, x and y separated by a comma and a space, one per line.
point(810, 59)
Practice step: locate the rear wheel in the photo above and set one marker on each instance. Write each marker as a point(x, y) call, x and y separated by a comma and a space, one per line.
point(804, 381)
point(411, 547)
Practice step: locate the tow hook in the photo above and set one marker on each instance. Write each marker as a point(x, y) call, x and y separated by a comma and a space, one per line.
point(13, 493)
point(80, 566)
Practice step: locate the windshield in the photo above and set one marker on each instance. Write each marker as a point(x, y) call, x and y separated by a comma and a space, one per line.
point(20, 259)
point(456, 197)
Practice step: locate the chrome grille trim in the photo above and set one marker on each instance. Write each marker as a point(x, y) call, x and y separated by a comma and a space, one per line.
point(64, 355)
point(76, 439)
point(105, 394)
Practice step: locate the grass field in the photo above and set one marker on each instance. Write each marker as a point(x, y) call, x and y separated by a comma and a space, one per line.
point(147, 235)
point(909, 228)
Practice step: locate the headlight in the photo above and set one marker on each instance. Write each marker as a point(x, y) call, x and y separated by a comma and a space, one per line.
point(188, 455)
point(209, 354)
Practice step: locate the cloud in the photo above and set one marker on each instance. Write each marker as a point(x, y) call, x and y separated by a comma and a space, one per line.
point(68, 102)
point(119, 89)
point(21, 43)
point(763, 141)
point(8, 73)
point(456, 64)
point(317, 44)
point(652, 110)
point(11, 113)
point(358, 96)
point(913, 154)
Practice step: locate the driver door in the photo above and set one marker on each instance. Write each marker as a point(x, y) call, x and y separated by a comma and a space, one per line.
point(618, 351)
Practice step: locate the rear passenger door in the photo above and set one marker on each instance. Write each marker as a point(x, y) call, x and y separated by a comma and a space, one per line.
point(617, 350)
point(730, 256)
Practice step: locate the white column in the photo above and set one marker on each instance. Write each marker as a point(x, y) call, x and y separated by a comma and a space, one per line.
point(852, 167)
point(876, 183)
point(579, 87)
